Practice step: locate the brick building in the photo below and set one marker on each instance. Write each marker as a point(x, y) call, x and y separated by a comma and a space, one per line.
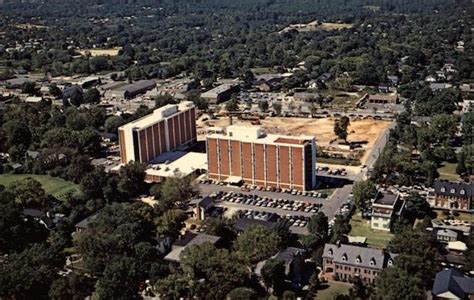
point(348, 261)
point(453, 196)
point(249, 154)
point(167, 128)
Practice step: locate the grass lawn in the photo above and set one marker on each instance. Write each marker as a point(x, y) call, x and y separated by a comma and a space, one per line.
point(361, 227)
point(448, 171)
point(52, 185)
point(331, 290)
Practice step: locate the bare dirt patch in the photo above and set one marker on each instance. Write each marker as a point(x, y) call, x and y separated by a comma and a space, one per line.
point(362, 130)
point(100, 52)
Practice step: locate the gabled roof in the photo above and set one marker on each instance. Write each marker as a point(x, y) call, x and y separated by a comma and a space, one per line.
point(453, 189)
point(357, 256)
point(453, 281)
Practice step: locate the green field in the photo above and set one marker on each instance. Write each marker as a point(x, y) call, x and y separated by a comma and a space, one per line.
point(52, 185)
point(448, 171)
point(331, 290)
point(361, 227)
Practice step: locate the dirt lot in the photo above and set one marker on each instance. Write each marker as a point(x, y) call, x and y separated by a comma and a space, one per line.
point(323, 129)
point(100, 52)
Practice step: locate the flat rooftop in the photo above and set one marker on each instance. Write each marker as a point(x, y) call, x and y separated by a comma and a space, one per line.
point(255, 134)
point(184, 163)
point(159, 114)
point(385, 198)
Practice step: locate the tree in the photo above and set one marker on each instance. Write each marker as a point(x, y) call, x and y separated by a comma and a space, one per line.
point(209, 267)
point(256, 244)
point(30, 273)
point(341, 227)
point(461, 166)
point(121, 280)
point(73, 286)
point(318, 225)
point(132, 179)
point(175, 286)
point(340, 127)
point(55, 91)
point(29, 88)
point(242, 293)
point(273, 274)
point(277, 108)
point(113, 123)
point(28, 192)
point(170, 223)
point(164, 99)
point(263, 105)
point(364, 192)
point(232, 104)
point(176, 191)
point(416, 206)
point(223, 228)
point(92, 96)
point(394, 281)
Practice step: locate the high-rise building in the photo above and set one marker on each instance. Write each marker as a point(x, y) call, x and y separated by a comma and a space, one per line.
point(249, 154)
point(168, 128)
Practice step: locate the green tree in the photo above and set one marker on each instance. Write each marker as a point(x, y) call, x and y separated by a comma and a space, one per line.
point(113, 123)
point(175, 286)
point(242, 293)
point(92, 96)
point(263, 105)
point(256, 244)
point(416, 206)
point(176, 191)
point(170, 222)
point(341, 227)
point(232, 105)
point(28, 192)
point(318, 225)
point(395, 281)
point(277, 108)
point(132, 179)
point(73, 286)
point(364, 192)
point(273, 274)
point(29, 88)
point(209, 267)
point(341, 126)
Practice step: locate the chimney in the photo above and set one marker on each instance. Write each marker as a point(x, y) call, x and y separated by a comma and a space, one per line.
point(230, 120)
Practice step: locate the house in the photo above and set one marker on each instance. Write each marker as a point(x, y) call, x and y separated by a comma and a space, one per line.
point(452, 284)
point(84, 224)
point(467, 90)
point(383, 99)
point(187, 240)
point(293, 259)
point(200, 207)
point(386, 207)
point(347, 261)
point(220, 93)
point(394, 80)
point(453, 196)
point(445, 235)
point(435, 87)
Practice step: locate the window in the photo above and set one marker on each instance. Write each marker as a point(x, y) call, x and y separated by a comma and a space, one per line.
point(330, 252)
point(462, 192)
point(372, 262)
point(453, 191)
point(358, 259)
point(443, 190)
point(344, 257)
point(390, 262)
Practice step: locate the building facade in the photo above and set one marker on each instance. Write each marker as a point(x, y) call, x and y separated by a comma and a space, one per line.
point(385, 208)
point(249, 154)
point(349, 261)
point(453, 196)
point(168, 128)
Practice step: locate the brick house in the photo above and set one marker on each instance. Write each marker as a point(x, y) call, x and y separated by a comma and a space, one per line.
point(453, 196)
point(349, 261)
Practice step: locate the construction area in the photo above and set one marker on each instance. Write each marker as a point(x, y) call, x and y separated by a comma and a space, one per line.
point(362, 131)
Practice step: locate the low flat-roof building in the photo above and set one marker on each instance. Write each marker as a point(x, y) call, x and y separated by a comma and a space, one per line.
point(220, 93)
point(176, 163)
point(262, 159)
point(131, 90)
point(385, 208)
point(383, 99)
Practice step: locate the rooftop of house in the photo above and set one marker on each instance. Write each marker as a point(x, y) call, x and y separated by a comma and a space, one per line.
point(453, 189)
point(137, 86)
point(454, 282)
point(288, 254)
point(188, 240)
point(255, 134)
point(446, 232)
point(84, 224)
point(358, 256)
point(159, 114)
point(386, 198)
